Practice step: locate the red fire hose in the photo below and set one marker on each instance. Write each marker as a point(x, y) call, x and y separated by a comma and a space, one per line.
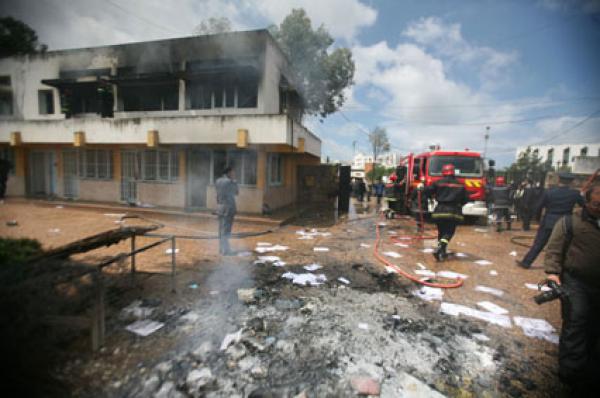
point(399, 270)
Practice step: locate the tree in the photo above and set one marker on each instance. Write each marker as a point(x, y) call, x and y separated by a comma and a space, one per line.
point(212, 26)
point(17, 38)
point(528, 165)
point(378, 171)
point(322, 75)
point(379, 142)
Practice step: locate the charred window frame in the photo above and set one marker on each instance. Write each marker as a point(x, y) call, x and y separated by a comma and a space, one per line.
point(8, 153)
point(248, 94)
point(163, 96)
point(275, 169)
point(96, 164)
point(160, 165)
point(6, 96)
point(46, 102)
point(243, 163)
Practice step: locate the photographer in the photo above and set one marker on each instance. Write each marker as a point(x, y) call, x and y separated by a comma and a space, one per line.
point(573, 262)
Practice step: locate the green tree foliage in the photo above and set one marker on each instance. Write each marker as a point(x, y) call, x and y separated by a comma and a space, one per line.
point(213, 25)
point(17, 38)
point(528, 165)
point(323, 74)
point(378, 172)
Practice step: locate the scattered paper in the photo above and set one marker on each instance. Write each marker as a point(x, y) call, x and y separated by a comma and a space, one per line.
point(59, 207)
point(365, 245)
point(490, 290)
point(231, 338)
point(392, 254)
point(533, 286)
point(170, 251)
point(459, 254)
point(404, 245)
point(428, 250)
point(273, 260)
point(513, 253)
point(457, 309)
point(244, 254)
point(265, 249)
point(424, 272)
point(538, 328)
point(114, 215)
point(451, 275)
point(491, 307)
point(259, 244)
point(320, 249)
point(390, 270)
point(363, 326)
point(312, 267)
point(190, 317)
point(480, 337)
point(136, 310)
point(493, 272)
point(304, 279)
point(483, 230)
point(306, 237)
point(312, 233)
point(483, 262)
point(344, 280)
point(429, 293)
point(421, 266)
point(54, 230)
point(144, 327)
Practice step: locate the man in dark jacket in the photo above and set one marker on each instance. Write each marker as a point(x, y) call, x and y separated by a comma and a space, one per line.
point(573, 261)
point(501, 202)
point(525, 202)
point(5, 167)
point(227, 190)
point(450, 195)
point(378, 189)
point(557, 202)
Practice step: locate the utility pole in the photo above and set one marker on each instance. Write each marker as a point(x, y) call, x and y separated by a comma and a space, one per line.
point(487, 137)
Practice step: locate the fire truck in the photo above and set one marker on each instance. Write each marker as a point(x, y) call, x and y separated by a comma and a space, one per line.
point(426, 168)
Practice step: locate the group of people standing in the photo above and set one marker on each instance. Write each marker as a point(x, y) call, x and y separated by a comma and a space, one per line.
point(360, 188)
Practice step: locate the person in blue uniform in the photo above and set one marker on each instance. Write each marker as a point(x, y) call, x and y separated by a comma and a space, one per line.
point(557, 202)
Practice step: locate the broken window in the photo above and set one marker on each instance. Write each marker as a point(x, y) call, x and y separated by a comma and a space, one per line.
point(96, 164)
point(160, 165)
point(275, 169)
point(6, 96)
point(163, 96)
point(221, 91)
point(242, 162)
point(247, 94)
point(46, 102)
point(8, 153)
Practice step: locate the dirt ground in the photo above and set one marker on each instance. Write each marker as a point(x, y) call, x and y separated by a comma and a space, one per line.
point(313, 339)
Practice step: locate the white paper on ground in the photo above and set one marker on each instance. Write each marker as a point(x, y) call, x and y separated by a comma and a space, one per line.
point(267, 259)
point(392, 254)
point(480, 337)
point(421, 266)
point(364, 245)
point(429, 293)
point(490, 290)
point(363, 326)
point(493, 272)
point(459, 254)
point(538, 328)
point(533, 286)
point(424, 272)
point(481, 230)
point(54, 230)
point(231, 338)
point(452, 275)
point(170, 251)
point(428, 250)
point(404, 245)
point(344, 280)
point(263, 244)
point(390, 270)
point(320, 249)
point(306, 237)
point(137, 310)
point(392, 233)
point(59, 207)
point(312, 267)
point(279, 263)
point(114, 214)
point(483, 262)
point(304, 279)
point(513, 253)
point(265, 249)
point(457, 309)
point(144, 327)
point(491, 307)
point(244, 254)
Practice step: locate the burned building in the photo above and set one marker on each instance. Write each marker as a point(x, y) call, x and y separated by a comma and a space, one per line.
point(156, 122)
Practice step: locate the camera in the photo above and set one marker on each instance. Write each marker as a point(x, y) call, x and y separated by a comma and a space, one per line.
point(555, 292)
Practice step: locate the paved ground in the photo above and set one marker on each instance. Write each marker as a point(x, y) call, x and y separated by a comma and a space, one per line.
point(316, 339)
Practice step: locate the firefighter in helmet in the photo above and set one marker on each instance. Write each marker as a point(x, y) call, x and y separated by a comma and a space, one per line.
point(450, 195)
point(501, 198)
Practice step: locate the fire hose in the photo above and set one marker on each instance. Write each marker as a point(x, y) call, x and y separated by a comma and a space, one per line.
point(459, 281)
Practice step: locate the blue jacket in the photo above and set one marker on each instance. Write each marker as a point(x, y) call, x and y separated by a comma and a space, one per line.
point(558, 201)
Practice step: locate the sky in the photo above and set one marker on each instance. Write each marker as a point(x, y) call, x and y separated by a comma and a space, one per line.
point(428, 71)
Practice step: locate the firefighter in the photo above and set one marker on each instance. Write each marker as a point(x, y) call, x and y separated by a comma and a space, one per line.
point(501, 201)
point(450, 195)
point(227, 190)
point(558, 201)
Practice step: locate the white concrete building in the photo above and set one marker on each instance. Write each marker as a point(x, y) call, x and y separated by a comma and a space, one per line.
point(156, 122)
point(362, 164)
point(561, 154)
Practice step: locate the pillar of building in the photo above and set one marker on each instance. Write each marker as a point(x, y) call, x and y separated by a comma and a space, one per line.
point(261, 169)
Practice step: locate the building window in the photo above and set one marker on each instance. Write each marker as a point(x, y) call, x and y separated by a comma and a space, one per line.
point(46, 102)
point(566, 153)
point(160, 165)
point(150, 97)
point(242, 162)
point(550, 156)
point(8, 154)
point(6, 96)
point(224, 92)
point(96, 164)
point(536, 153)
point(583, 151)
point(275, 169)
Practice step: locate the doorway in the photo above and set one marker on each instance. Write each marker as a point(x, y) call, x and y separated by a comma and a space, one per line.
point(42, 176)
point(198, 178)
point(130, 167)
point(70, 177)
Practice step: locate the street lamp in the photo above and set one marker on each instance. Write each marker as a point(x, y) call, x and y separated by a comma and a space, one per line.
point(487, 137)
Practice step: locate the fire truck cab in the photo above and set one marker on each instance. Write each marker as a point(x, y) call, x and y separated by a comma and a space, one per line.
point(426, 168)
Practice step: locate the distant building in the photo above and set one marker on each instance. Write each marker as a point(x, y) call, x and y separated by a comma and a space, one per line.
point(156, 122)
point(562, 154)
point(362, 164)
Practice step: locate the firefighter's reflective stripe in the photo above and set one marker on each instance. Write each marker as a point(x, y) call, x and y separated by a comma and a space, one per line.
point(457, 217)
point(473, 183)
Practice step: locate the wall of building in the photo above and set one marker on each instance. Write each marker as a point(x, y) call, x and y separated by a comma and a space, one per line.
point(586, 164)
point(593, 149)
point(162, 194)
point(99, 190)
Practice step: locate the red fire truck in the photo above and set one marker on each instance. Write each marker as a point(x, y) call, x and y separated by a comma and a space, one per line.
point(426, 168)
